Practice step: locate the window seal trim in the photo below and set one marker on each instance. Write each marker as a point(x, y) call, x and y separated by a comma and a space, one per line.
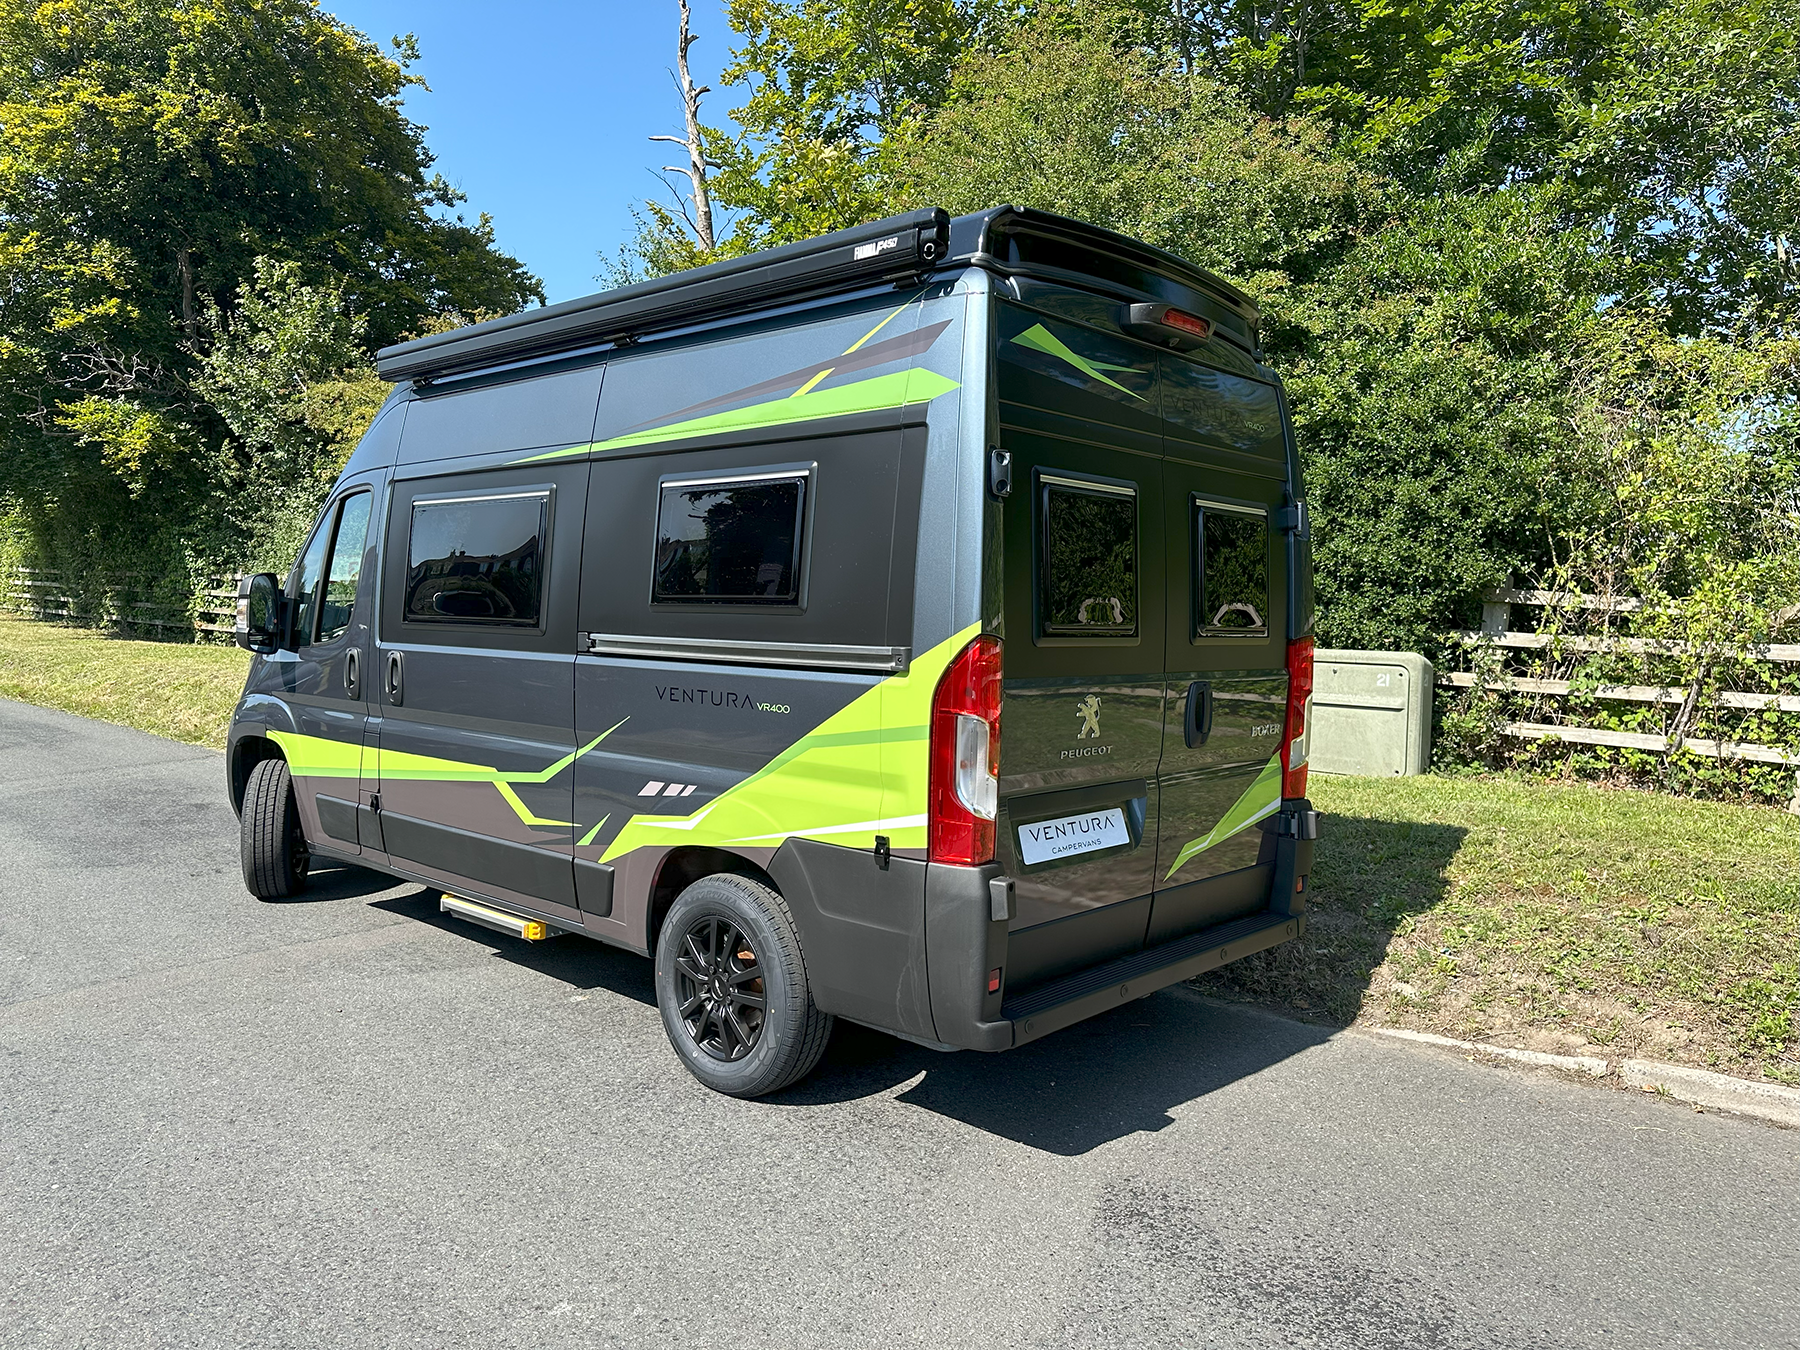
point(1065, 480)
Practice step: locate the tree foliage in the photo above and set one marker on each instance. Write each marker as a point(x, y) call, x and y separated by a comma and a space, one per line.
point(173, 175)
point(1478, 229)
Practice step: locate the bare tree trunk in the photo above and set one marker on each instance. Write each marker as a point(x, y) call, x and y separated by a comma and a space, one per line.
point(184, 266)
point(696, 148)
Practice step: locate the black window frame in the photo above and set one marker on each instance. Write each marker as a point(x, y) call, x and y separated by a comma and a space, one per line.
point(326, 528)
point(546, 495)
point(1046, 481)
point(804, 473)
point(331, 557)
point(1199, 629)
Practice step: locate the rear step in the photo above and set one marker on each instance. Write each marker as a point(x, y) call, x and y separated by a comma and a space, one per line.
point(532, 930)
point(1074, 998)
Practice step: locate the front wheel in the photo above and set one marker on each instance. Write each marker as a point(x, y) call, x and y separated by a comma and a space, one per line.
point(731, 985)
point(271, 844)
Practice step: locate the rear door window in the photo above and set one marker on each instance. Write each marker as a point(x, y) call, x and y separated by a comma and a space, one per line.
point(730, 541)
point(1089, 566)
point(477, 560)
point(1231, 556)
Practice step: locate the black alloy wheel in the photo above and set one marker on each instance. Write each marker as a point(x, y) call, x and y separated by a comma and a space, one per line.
point(732, 989)
point(720, 984)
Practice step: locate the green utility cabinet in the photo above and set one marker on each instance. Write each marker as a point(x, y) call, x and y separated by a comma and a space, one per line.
point(1371, 713)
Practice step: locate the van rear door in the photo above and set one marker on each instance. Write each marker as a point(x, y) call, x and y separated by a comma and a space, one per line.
point(1084, 685)
point(1224, 478)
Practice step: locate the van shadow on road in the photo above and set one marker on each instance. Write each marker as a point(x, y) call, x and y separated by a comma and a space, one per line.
point(338, 881)
point(576, 961)
point(1122, 1073)
point(1118, 1075)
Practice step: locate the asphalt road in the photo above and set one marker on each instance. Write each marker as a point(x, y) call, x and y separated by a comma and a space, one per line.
point(348, 1122)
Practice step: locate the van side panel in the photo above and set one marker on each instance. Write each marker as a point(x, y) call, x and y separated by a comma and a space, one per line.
point(736, 735)
point(546, 411)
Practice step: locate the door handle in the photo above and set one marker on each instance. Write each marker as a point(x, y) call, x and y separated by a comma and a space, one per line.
point(395, 678)
point(1198, 721)
point(352, 660)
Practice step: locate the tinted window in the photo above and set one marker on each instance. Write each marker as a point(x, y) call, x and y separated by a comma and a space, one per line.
point(736, 542)
point(1233, 584)
point(1089, 559)
point(345, 567)
point(310, 570)
point(477, 560)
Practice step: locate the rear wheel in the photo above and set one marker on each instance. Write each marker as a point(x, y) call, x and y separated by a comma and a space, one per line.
point(271, 844)
point(731, 985)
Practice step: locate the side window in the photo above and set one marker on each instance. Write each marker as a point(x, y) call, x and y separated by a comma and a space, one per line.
point(308, 572)
point(730, 541)
point(1231, 584)
point(477, 560)
point(345, 567)
point(1089, 575)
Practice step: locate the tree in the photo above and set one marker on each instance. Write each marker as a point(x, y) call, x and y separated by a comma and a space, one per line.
point(152, 154)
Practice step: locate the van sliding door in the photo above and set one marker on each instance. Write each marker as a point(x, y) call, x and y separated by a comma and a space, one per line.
point(476, 680)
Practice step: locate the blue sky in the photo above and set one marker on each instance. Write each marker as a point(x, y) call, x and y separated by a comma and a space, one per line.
point(540, 109)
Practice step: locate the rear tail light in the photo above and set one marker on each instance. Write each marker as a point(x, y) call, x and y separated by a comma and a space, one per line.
point(1299, 717)
point(965, 756)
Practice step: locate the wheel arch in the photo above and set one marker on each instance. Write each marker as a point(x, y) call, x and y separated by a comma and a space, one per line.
point(681, 868)
point(247, 752)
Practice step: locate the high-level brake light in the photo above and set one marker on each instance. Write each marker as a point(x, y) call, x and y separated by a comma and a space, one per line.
point(1188, 323)
point(965, 756)
point(1299, 717)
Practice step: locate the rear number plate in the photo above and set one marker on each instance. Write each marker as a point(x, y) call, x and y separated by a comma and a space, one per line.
point(1046, 840)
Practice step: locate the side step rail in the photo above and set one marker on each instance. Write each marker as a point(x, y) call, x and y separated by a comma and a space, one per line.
point(517, 925)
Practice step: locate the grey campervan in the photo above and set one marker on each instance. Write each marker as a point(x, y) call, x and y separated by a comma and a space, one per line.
point(689, 616)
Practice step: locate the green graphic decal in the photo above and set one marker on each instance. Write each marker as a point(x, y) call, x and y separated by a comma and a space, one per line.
point(871, 395)
point(1040, 339)
point(317, 757)
point(1262, 798)
point(862, 771)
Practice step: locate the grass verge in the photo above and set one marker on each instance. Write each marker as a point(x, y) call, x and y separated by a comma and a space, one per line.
point(183, 691)
point(1544, 915)
point(1549, 916)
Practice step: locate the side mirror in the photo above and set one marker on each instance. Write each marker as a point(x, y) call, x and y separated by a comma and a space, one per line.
point(259, 605)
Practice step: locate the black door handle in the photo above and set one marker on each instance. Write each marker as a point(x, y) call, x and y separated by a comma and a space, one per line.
point(1199, 717)
point(352, 659)
point(395, 680)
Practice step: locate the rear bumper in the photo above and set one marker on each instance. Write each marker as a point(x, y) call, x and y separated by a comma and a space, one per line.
point(1087, 993)
point(966, 943)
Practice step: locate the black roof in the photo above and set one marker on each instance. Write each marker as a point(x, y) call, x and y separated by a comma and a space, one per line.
point(1005, 239)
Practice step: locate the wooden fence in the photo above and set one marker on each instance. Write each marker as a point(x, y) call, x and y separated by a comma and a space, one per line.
point(1497, 631)
point(115, 601)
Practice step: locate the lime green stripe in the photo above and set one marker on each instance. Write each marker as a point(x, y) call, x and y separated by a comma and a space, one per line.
point(858, 770)
point(1041, 339)
point(319, 757)
point(883, 391)
point(1261, 798)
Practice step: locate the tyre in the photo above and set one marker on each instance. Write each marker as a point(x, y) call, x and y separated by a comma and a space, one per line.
point(270, 842)
point(731, 984)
